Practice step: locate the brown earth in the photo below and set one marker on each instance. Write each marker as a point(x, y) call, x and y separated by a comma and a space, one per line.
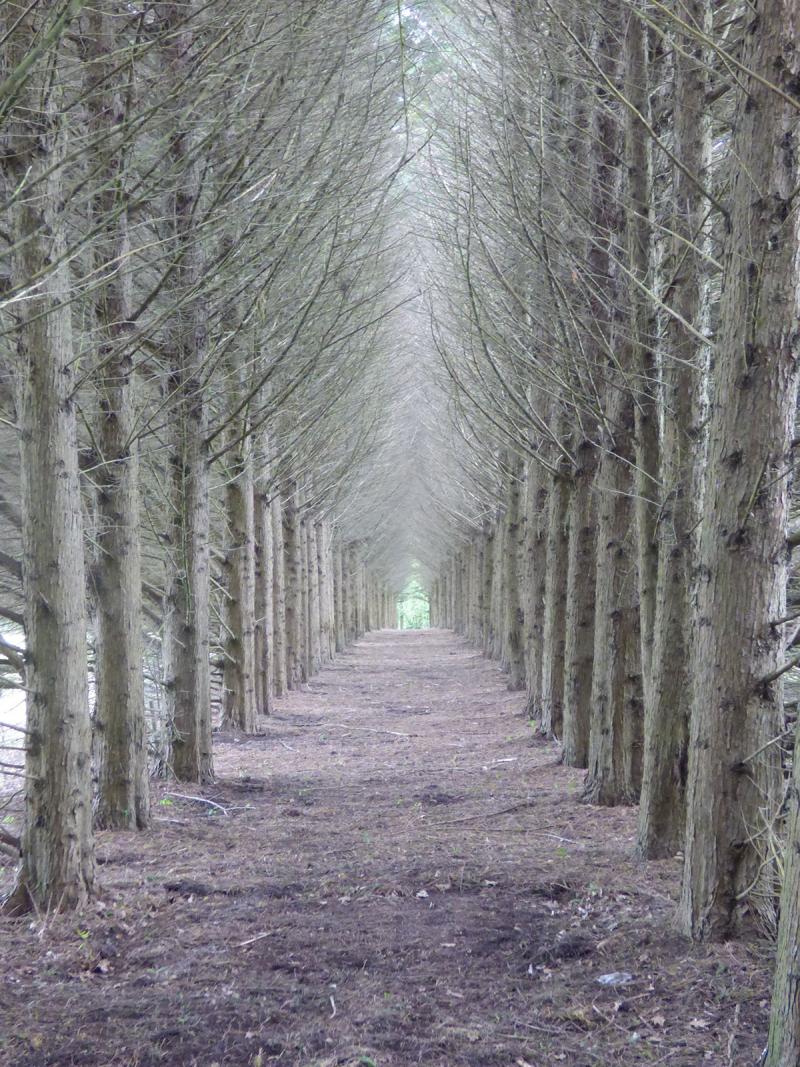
point(397, 872)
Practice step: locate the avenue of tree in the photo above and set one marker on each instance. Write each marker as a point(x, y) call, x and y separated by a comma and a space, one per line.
point(311, 310)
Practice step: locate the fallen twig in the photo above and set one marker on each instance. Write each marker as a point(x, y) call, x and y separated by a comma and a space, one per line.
point(252, 940)
point(200, 800)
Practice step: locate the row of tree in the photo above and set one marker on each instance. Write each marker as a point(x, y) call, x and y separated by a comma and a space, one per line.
point(195, 291)
point(612, 255)
point(292, 295)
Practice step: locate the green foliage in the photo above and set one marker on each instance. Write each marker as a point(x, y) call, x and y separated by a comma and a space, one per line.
point(413, 607)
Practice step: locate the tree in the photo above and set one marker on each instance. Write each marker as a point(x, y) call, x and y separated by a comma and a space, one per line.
point(57, 869)
point(738, 652)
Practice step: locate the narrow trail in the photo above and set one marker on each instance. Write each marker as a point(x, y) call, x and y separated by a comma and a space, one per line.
point(395, 873)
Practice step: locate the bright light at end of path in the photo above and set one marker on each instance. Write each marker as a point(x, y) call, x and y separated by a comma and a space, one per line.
point(413, 607)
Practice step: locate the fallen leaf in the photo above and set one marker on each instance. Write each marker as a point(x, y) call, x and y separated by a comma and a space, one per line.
point(658, 1020)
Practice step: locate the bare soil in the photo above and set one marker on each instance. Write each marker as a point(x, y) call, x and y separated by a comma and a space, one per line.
point(396, 872)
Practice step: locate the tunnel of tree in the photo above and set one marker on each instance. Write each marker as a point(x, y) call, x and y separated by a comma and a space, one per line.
point(324, 319)
point(413, 607)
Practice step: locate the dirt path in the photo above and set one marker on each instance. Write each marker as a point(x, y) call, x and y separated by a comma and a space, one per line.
point(396, 873)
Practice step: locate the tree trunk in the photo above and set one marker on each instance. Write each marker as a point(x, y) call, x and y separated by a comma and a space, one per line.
point(536, 556)
point(579, 644)
point(240, 710)
point(187, 609)
point(325, 592)
point(264, 607)
point(340, 605)
point(662, 806)
point(123, 800)
point(314, 599)
point(485, 596)
point(614, 629)
point(305, 610)
point(639, 194)
point(514, 618)
point(279, 620)
point(615, 702)
point(784, 1027)
point(555, 609)
point(353, 568)
point(294, 592)
point(57, 870)
point(736, 708)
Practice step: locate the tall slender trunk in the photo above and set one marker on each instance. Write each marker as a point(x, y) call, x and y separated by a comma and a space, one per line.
point(514, 620)
point(314, 599)
point(264, 607)
point(536, 557)
point(306, 668)
point(742, 566)
point(325, 567)
point(240, 709)
point(662, 806)
point(57, 868)
point(187, 608)
point(611, 732)
point(639, 193)
point(294, 591)
point(579, 644)
point(616, 702)
point(186, 658)
point(784, 1027)
point(488, 583)
point(554, 629)
point(123, 800)
point(279, 619)
point(353, 568)
point(339, 591)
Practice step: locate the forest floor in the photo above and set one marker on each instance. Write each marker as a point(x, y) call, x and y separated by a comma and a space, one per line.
point(397, 872)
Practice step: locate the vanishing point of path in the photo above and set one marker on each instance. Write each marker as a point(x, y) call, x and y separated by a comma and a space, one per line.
point(397, 872)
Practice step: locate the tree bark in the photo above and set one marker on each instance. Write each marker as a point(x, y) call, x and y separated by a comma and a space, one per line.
point(240, 711)
point(57, 870)
point(610, 733)
point(295, 621)
point(187, 608)
point(264, 607)
point(579, 642)
point(536, 557)
point(314, 599)
point(639, 195)
point(339, 587)
point(325, 592)
point(123, 800)
point(279, 619)
point(514, 619)
point(662, 806)
point(554, 629)
point(305, 590)
point(783, 1049)
point(615, 702)
point(742, 565)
